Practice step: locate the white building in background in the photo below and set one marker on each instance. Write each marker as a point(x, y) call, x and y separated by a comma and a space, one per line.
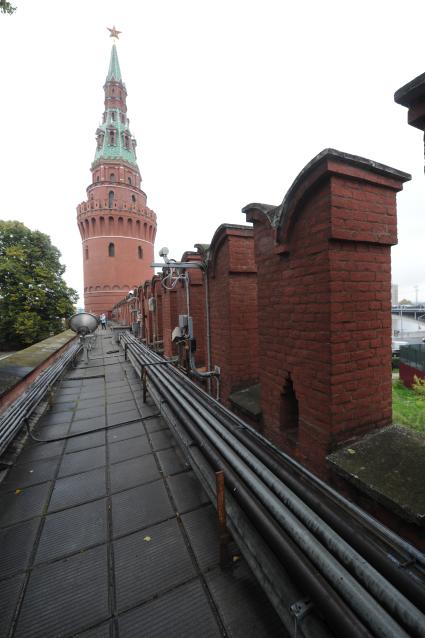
point(394, 294)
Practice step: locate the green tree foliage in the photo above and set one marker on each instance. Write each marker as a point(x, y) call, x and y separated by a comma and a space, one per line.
point(34, 298)
point(6, 7)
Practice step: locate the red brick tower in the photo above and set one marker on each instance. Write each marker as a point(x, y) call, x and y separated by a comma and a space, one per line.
point(117, 228)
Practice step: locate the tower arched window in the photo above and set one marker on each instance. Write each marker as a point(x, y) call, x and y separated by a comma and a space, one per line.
point(112, 177)
point(113, 116)
point(111, 250)
point(111, 199)
point(129, 180)
point(140, 252)
point(86, 253)
point(97, 178)
point(133, 199)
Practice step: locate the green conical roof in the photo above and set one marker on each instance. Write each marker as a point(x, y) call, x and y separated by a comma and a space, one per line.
point(114, 139)
point(114, 72)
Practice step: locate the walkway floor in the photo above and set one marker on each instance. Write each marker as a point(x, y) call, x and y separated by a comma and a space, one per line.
point(109, 534)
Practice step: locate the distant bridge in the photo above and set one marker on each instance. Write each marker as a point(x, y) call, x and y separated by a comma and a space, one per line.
point(418, 312)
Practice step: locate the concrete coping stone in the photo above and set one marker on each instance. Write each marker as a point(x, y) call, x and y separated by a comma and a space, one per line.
point(388, 466)
point(248, 400)
point(19, 365)
point(277, 214)
point(414, 90)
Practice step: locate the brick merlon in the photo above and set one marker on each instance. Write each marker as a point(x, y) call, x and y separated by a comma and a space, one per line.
point(223, 231)
point(328, 162)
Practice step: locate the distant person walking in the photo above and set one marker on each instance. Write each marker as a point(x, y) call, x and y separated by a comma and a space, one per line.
point(103, 321)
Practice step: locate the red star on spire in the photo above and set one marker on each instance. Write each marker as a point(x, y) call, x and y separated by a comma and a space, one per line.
point(113, 33)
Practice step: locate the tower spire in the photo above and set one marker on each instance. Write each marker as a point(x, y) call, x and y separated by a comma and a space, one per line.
point(114, 139)
point(114, 72)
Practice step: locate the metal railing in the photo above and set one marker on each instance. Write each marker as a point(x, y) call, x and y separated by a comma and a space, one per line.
point(15, 416)
point(413, 355)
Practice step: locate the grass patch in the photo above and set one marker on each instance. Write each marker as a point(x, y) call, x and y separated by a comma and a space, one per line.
point(408, 407)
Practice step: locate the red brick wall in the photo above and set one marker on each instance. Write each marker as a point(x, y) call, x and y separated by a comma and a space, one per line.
point(232, 279)
point(324, 307)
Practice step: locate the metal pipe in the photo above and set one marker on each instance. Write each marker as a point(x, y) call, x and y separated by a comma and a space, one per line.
point(364, 605)
point(409, 618)
point(341, 617)
point(346, 527)
point(308, 479)
point(368, 609)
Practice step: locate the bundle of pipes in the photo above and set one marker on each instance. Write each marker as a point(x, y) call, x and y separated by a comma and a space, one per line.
point(300, 537)
point(12, 420)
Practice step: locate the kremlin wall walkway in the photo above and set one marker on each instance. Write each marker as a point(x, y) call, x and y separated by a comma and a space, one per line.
point(109, 534)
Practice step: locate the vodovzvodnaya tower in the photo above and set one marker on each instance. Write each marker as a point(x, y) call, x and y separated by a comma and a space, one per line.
point(116, 226)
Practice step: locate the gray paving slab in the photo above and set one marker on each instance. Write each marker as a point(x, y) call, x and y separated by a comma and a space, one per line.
point(101, 631)
point(52, 418)
point(89, 403)
point(149, 562)
point(65, 597)
point(244, 608)
point(119, 398)
point(87, 425)
point(90, 412)
point(162, 439)
point(66, 524)
point(133, 472)
point(31, 473)
point(78, 489)
point(187, 491)
point(85, 441)
point(155, 423)
point(120, 383)
point(172, 461)
point(123, 417)
point(202, 529)
point(91, 393)
point(72, 530)
point(67, 394)
point(184, 612)
point(140, 507)
point(50, 433)
point(122, 432)
point(121, 406)
point(39, 451)
point(129, 448)
point(16, 543)
point(9, 594)
point(70, 383)
point(24, 504)
point(83, 461)
point(66, 406)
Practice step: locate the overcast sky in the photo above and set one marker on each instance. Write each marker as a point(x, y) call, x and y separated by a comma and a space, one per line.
point(228, 100)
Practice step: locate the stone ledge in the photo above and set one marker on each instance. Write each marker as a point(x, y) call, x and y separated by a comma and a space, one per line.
point(248, 401)
point(388, 466)
point(18, 366)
